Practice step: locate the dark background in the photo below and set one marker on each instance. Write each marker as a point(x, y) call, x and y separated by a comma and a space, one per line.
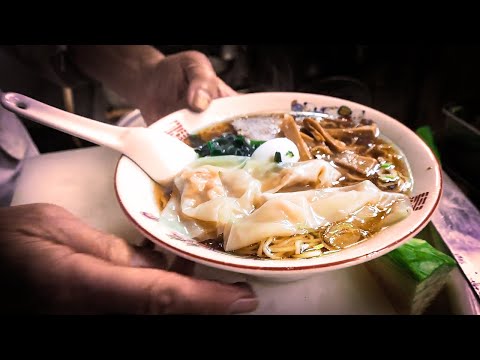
point(409, 82)
point(419, 84)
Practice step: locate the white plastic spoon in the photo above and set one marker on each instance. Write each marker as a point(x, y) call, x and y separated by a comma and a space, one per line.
point(160, 155)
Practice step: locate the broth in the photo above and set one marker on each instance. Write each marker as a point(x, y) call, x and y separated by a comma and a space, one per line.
point(353, 148)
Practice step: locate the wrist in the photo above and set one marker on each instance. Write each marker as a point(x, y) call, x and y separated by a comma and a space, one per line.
point(125, 69)
point(145, 82)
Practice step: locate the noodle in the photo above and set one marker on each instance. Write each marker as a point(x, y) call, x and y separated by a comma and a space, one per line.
point(260, 248)
point(373, 159)
point(315, 243)
point(299, 246)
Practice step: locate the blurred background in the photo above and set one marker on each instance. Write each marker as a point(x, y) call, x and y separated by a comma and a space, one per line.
point(421, 84)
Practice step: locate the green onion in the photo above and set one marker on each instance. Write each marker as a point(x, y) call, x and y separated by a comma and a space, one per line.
point(278, 157)
point(344, 111)
point(289, 154)
point(256, 143)
point(227, 144)
point(386, 165)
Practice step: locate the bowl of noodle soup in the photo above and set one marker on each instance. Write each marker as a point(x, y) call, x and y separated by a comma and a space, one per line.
point(286, 185)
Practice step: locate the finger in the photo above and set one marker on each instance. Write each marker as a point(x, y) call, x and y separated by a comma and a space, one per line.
point(114, 249)
point(202, 80)
point(105, 288)
point(88, 240)
point(79, 236)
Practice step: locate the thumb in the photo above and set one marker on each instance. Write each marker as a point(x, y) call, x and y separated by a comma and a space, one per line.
point(83, 238)
point(118, 289)
point(202, 80)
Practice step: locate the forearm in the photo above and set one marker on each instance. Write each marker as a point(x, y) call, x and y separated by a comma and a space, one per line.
point(122, 68)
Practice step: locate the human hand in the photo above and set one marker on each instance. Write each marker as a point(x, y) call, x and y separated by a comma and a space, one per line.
point(51, 262)
point(185, 79)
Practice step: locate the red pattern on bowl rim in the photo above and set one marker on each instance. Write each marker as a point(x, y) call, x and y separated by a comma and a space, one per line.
point(174, 125)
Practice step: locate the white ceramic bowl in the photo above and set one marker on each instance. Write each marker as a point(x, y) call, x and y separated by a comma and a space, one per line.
point(135, 194)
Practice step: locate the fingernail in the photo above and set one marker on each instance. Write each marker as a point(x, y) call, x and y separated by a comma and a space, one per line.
point(148, 259)
point(243, 306)
point(202, 99)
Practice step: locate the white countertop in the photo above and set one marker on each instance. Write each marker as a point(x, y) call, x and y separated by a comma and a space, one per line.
point(82, 182)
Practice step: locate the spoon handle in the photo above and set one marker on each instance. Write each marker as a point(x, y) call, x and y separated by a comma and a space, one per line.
point(94, 131)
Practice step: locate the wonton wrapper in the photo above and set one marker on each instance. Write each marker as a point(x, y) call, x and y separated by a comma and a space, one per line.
point(285, 214)
point(239, 199)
